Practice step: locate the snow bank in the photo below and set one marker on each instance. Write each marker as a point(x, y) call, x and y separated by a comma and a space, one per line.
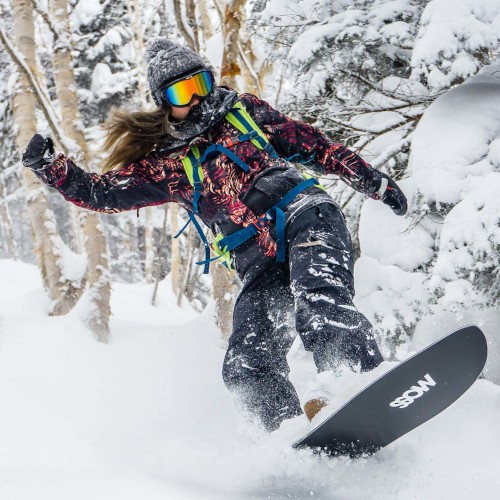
point(392, 240)
point(147, 416)
point(443, 256)
point(456, 141)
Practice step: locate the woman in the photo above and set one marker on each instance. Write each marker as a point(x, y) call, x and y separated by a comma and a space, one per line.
point(286, 237)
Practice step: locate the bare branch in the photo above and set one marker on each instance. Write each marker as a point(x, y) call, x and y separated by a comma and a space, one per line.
point(149, 20)
point(250, 69)
point(46, 18)
point(191, 19)
point(369, 130)
point(181, 26)
point(392, 94)
point(42, 98)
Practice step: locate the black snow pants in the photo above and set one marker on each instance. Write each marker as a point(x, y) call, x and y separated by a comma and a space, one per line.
point(315, 285)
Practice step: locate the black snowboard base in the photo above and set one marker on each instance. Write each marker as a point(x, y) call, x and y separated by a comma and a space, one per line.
point(405, 397)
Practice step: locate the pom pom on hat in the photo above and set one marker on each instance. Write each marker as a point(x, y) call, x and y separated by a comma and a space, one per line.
point(157, 46)
point(167, 60)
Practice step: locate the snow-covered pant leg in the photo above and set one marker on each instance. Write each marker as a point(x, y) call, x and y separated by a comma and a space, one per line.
point(321, 272)
point(255, 367)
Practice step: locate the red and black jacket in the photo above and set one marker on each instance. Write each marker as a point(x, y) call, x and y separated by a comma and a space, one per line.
point(231, 198)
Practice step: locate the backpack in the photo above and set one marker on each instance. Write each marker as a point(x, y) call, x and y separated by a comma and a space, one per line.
point(222, 245)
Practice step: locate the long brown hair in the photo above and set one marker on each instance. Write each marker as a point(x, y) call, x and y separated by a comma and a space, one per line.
point(132, 135)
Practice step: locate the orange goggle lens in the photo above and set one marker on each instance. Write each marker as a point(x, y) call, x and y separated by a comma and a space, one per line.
point(181, 93)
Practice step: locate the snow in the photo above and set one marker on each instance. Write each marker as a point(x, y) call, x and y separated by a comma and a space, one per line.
point(466, 121)
point(448, 46)
point(73, 266)
point(86, 12)
point(147, 415)
point(105, 83)
point(390, 239)
point(113, 39)
point(312, 40)
point(442, 257)
point(451, 37)
point(214, 49)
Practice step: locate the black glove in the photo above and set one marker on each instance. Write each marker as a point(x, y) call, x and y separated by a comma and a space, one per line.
point(39, 152)
point(393, 196)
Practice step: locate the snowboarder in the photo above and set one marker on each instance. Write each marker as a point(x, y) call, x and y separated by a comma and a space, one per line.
point(226, 158)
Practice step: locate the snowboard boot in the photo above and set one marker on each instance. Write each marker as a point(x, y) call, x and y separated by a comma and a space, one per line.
point(314, 406)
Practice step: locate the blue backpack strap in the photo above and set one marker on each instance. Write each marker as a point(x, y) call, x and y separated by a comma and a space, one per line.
point(219, 148)
point(203, 238)
point(275, 213)
point(239, 118)
point(279, 215)
point(206, 244)
point(192, 165)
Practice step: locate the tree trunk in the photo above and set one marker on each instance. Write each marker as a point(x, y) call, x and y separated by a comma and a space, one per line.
point(135, 13)
point(183, 30)
point(191, 19)
point(189, 255)
point(238, 67)
point(149, 254)
point(250, 79)
point(230, 71)
point(158, 256)
point(206, 23)
point(223, 297)
point(175, 254)
point(95, 241)
point(233, 19)
point(48, 244)
point(7, 241)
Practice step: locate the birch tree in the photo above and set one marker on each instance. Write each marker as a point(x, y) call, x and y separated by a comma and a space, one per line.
point(136, 16)
point(95, 241)
point(7, 242)
point(231, 71)
point(49, 247)
point(238, 61)
point(175, 255)
point(206, 23)
point(184, 29)
point(233, 19)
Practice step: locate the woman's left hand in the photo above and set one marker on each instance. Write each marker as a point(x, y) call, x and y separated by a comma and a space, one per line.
point(395, 198)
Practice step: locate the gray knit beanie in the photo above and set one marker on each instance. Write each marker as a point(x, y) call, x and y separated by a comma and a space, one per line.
point(168, 60)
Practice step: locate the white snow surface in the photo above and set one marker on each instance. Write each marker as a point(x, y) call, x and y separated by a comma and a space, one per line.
point(451, 34)
point(147, 415)
point(456, 144)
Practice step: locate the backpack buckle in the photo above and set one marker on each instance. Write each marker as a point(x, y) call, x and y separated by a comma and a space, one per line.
point(262, 222)
point(229, 142)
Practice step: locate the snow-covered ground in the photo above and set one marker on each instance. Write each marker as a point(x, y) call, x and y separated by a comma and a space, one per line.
point(147, 416)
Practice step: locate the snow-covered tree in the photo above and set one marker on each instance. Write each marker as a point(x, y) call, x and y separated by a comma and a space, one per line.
point(455, 40)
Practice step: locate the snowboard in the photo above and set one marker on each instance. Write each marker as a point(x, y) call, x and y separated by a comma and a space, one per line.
point(405, 397)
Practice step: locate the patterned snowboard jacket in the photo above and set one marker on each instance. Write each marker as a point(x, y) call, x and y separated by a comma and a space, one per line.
point(231, 198)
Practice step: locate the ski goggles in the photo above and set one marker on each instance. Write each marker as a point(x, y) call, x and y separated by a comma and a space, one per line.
point(182, 92)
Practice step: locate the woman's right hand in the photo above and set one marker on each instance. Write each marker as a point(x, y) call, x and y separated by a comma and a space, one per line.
point(38, 153)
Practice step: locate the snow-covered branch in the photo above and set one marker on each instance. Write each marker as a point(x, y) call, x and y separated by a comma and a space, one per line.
point(423, 99)
point(47, 19)
point(42, 98)
point(184, 30)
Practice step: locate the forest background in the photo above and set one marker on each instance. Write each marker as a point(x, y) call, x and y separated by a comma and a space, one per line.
point(412, 86)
